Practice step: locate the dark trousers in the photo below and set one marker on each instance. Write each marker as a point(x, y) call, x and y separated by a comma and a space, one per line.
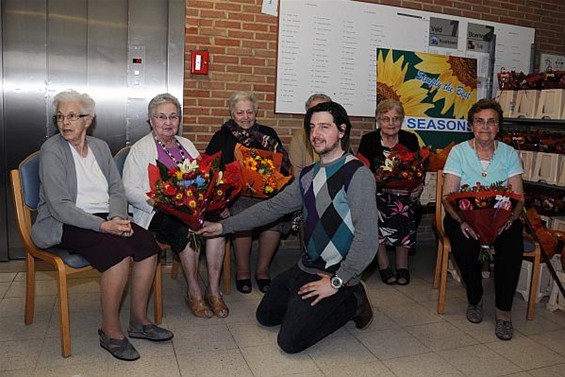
point(509, 248)
point(303, 325)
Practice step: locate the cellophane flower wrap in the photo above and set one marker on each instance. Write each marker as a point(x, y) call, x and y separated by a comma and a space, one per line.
point(261, 171)
point(228, 187)
point(485, 208)
point(402, 170)
point(191, 189)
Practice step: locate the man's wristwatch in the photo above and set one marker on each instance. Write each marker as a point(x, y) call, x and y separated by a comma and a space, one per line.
point(336, 282)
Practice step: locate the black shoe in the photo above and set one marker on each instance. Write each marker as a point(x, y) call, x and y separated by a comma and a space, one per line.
point(402, 276)
point(263, 284)
point(150, 332)
point(387, 276)
point(364, 316)
point(119, 348)
point(503, 329)
point(243, 285)
point(475, 313)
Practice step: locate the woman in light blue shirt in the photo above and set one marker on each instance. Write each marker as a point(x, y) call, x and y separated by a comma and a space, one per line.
point(485, 160)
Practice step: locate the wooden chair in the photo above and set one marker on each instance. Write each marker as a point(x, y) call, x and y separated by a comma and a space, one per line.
point(532, 251)
point(226, 268)
point(443, 242)
point(25, 191)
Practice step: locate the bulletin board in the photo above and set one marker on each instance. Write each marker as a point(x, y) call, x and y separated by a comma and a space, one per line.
point(329, 46)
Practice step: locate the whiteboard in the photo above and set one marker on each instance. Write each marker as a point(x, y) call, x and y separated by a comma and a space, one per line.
point(329, 46)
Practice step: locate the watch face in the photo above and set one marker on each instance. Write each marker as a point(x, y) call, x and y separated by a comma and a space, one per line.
point(336, 282)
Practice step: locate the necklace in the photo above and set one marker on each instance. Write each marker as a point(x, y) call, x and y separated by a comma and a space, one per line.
point(169, 153)
point(485, 168)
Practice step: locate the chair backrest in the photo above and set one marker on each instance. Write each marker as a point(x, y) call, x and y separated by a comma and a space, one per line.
point(25, 190)
point(120, 158)
point(29, 177)
point(440, 211)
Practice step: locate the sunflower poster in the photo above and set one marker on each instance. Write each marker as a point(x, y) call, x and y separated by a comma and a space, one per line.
point(435, 90)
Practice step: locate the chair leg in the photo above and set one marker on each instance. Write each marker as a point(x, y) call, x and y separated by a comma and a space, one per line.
point(443, 280)
point(65, 325)
point(437, 270)
point(158, 293)
point(534, 285)
point(30, 289)
point(175, 267)
point(226, 269)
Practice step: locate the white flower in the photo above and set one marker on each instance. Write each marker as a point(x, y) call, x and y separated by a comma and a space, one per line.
point(188, 166)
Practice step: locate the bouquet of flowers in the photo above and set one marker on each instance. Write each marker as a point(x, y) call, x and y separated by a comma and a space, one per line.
point(228, 186)
point(261, 171)
point(486, 209)
point(402, 170)
point(191, 189)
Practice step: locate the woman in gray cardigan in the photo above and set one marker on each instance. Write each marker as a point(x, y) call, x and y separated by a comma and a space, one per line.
point(83, 208)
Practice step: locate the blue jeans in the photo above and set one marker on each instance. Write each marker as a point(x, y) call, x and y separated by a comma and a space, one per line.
point(303, 325)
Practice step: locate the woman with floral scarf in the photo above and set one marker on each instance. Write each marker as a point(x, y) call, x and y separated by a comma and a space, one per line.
point(243, 128)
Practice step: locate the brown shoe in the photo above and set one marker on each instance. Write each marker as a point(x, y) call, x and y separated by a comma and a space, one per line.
point(364, 316)
point(218, 306)
point(198, 307)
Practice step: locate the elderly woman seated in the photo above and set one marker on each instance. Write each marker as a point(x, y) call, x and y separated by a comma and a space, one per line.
point(83, 208)
point(164, 145)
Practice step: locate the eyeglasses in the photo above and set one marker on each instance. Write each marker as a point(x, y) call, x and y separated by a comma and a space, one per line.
point(481, 122)
point(72, 117)
point(395, 119)
point(164, 117)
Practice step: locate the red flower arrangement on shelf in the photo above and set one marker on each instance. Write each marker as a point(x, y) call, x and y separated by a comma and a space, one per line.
point(194, 188)
point(486, 209)
point(261, 171)
point(402, 170)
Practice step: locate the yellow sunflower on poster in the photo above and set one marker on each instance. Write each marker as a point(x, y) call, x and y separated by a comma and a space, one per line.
point(392, 84)
point(459, 74)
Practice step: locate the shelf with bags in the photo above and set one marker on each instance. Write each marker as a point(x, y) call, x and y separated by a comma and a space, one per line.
point(541, 145)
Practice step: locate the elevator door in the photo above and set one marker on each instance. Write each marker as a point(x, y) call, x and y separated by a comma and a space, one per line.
point(120, 52)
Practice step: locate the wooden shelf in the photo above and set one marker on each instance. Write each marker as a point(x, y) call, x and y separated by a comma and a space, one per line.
point(530, 122)
point(545, 185)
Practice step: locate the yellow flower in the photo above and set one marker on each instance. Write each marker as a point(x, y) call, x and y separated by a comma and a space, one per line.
point(192, 204)
point(459, 73)
point(391, 84)
point(268, 189)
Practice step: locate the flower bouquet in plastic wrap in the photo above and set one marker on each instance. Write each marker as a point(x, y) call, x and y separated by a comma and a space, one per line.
point(402, 170)
point(228, 187)
point(486, 209)
point(189, 190)
point(261, 171)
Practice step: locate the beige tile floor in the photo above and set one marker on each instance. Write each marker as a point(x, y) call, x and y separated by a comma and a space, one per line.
point(407, 337)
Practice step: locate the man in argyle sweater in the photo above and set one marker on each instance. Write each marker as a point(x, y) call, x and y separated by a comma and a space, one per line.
point(323, 291)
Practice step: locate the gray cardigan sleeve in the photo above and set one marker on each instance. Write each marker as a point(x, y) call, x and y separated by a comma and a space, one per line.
point(363, 205)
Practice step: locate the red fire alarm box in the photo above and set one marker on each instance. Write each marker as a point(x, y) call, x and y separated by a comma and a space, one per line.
point(199, 62)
